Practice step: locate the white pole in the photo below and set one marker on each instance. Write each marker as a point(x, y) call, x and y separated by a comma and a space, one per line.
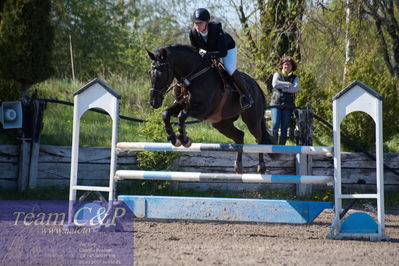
point(337, 165)
point(70, 49)
point(115, 125)
point(379, 169)
point(74, 157)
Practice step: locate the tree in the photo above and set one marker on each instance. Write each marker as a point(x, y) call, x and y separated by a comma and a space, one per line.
point(109, 36)
point(385, 16)
point(277, 32)
point(96, 29)
point(26, 37)
point(348, 37)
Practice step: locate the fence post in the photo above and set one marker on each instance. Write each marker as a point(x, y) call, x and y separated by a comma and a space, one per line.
point(304, 137)
point(38, 111)
point(25, 145)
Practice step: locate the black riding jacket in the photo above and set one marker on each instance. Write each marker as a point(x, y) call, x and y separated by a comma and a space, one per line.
point(218, 41)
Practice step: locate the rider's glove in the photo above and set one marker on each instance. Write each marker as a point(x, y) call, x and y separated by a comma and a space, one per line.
point(202, 53)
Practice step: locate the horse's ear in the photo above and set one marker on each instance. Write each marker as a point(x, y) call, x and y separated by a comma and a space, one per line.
point(150, 54)
point(164, 53)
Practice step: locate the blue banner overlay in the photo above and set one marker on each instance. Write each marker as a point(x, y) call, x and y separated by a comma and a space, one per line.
point(38, 233)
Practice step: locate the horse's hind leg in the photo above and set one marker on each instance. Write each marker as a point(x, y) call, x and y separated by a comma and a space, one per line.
point(227, 128)
point(259, 131)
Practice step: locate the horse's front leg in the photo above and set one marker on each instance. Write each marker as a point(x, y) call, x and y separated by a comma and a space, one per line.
point(171, 111)
point(182, 136)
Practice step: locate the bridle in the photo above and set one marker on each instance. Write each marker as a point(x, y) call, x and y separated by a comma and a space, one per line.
point(182, 81)
point(164, 90)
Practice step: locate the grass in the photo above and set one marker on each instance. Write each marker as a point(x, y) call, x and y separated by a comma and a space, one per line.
point(138, 188)
point(160, 188)
point(40, 193)
point(95, 128)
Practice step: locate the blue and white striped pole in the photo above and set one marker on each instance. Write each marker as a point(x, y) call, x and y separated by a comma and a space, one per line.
point(222, 177)
point(246, 148)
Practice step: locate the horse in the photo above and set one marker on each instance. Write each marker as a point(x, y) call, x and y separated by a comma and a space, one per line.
point(201, 92)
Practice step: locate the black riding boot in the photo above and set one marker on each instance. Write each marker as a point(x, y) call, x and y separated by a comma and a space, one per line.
point(246, 100)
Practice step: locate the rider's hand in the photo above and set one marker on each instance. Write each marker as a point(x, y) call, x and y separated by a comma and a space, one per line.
point(202, 52)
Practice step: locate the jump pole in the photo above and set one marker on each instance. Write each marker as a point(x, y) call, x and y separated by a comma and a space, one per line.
point(212, 147)
point(222, 177)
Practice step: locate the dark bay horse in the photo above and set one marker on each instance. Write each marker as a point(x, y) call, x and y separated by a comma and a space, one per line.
point(198, 94)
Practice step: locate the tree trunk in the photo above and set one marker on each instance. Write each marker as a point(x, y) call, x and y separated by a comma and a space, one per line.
point(348, 39)
point(387, 30)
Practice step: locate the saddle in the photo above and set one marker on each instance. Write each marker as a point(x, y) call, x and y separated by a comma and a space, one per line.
point(183, 96)
point(228, 83)
point(216, 115)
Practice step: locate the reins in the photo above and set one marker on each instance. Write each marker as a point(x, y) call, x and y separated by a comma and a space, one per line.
point(199, 73)
point(184, 82)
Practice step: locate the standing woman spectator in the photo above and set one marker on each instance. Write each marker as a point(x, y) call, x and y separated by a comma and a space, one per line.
point(285, 85)
point(209, 36)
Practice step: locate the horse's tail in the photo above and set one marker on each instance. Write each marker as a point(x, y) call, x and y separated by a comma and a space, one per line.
point(262, 94)
point(267, 138)
point(258, 93)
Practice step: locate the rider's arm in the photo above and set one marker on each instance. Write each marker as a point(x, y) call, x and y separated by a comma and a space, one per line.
point(221, 49)
point(279, 84)
point(193, 39)
point(294, 88)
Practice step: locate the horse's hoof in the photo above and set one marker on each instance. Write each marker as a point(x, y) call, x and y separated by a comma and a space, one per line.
point(238, 167)
point(176, 143)
point(185, 141)
point(188, 142)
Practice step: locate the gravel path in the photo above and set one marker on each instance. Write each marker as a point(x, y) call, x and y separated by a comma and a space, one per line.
point(197, 243)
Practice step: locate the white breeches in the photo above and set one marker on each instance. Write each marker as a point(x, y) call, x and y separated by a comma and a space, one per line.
point(230, 60)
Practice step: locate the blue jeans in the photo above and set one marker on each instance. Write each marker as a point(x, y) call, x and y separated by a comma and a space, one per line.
point(281, 119)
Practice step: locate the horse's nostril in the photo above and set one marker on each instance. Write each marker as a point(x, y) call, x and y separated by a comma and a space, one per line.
point(154, 104)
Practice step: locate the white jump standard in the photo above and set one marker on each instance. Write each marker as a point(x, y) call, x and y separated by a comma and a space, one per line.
point(356, 97)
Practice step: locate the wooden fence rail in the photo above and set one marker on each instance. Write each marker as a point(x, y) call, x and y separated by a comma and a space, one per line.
point(54, 167)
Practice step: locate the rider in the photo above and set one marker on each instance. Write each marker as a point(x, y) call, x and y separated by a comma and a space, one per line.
point(210, 37)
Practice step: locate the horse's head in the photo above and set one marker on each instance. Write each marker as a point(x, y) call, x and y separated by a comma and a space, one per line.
point(161, 75)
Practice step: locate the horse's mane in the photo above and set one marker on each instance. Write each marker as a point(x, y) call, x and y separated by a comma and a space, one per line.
point(180, 47)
